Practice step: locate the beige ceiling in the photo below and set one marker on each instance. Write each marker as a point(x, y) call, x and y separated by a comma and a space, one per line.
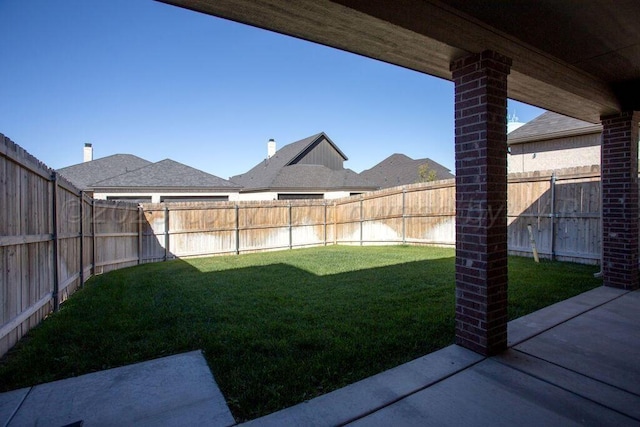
point(576, 57)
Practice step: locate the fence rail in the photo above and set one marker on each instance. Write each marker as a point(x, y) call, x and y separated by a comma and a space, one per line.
point(53, 237)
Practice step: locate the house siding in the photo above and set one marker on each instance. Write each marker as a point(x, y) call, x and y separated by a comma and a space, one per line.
point(321, 154)
point(157, 197)
point(559, 153)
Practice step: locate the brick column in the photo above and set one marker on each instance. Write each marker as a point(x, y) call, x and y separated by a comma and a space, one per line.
point(481, 201)
point(619, 172)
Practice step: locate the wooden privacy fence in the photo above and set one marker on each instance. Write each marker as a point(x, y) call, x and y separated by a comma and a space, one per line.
point(217, 228)
point(563, 211)
point(52, 239)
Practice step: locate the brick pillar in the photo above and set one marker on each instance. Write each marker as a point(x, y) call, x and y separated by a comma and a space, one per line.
point(619, 172)
point(481, 201)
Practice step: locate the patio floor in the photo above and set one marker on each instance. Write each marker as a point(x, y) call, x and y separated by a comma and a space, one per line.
point(573, 363)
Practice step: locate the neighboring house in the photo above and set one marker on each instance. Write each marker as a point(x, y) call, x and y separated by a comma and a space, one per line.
point(312, 168)
point(553, 141)
point(399, 169)
point(127, 177)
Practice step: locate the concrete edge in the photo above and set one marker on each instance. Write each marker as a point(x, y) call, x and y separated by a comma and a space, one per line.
point(10, 403)
point(530, 325)
point(373, 393)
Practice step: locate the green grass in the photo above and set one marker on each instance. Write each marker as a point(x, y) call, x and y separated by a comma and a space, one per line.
point(276, 328)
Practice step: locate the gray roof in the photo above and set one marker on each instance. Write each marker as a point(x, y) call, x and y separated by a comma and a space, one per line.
point(279, 172)
point(319, 177)
point(399, 169)
point(550, 125)
point(84, 175)
point(167, 174)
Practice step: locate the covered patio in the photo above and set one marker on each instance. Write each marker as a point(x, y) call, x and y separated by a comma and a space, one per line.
point(582, 61)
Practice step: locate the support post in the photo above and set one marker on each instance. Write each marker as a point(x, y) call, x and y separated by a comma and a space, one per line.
point(335, 224)
point(325, 223)
point(553, 215)
point(290, 227)
point(81, 198)
point(140, 229)
point(619, 177)
point(361, 223)
point(404, 216)
point(166, 232)
point(237, 231)
point(481, 201)
point(56, 245)
point(94, 231)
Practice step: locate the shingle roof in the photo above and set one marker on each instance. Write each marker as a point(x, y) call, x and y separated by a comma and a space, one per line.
point(399, 169)
point(550, 125)
point(167, 174)
point(84, 175)
point(319, 177)
point(279, 171)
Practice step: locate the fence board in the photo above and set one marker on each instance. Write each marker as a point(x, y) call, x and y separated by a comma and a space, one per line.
point(35, 253)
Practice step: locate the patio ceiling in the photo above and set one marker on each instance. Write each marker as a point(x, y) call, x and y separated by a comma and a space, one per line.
point(578, 58)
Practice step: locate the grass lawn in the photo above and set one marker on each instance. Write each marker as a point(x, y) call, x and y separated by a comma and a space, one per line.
point(276, 328)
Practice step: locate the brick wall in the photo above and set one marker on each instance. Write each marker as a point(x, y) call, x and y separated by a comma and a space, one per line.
point(620, 200)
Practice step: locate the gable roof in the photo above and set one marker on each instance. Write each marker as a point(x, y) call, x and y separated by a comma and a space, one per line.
point(550, 125)
point(167, 174)
point(281, 171)
point(399, 169)
point(84, 175)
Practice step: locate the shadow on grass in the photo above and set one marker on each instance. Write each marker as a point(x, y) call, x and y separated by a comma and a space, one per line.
point(274, 335)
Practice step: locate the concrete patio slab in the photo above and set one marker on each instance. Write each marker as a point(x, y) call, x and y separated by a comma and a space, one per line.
point(172, 391)
point(491, 393)
point(349, 403)
point(539, 321)
point(603, 344)
point(10, 403)
point(589, 388)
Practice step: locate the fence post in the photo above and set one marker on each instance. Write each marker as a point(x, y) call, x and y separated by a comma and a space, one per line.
point(325, 222)
point(237, 229)
point(404, 216)
point(553, 215)
point(290, 228)
point(94, 239)
point(166, 232)
point(81, 239)
point(361, 222)
point(56, 243)
point(335, 223)
point(140, 219)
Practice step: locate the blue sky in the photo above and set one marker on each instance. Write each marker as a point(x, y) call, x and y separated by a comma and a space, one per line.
point(157, 81)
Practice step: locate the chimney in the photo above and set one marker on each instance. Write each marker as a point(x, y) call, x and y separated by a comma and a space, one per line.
point(271, 148)
point(88, 152)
